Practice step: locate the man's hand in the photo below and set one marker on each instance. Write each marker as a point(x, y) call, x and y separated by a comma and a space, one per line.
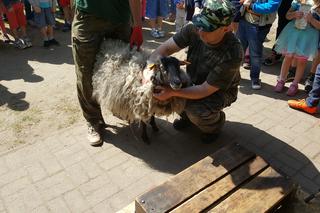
point(163, 93)
point(136, 37)
point(36, 9)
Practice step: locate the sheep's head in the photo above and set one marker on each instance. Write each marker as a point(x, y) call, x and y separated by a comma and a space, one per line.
point(167, 72)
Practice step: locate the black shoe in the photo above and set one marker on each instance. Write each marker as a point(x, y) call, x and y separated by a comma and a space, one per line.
point(309, 82)
point(208, 138)
point(291, 74)
point(46, 43)
point(54, 42)
point(182, 123)
point(272, 59)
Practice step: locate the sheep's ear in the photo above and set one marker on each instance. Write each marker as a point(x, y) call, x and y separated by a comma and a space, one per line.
point(184, 62)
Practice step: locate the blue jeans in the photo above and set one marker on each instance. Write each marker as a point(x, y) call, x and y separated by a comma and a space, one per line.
point(253, 36)
point(314, 94)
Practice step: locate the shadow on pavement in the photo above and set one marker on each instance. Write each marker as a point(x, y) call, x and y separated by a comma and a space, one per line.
point(171, 151)
point(14, 101)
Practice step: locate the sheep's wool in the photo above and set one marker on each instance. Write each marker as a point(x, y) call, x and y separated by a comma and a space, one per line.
point(117, 85)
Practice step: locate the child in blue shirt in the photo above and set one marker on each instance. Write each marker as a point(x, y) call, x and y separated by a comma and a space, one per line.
point(44, 18)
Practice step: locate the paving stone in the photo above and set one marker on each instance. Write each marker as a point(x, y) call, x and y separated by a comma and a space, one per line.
point(75, 201)
point(311, 150)
point(106, 154)
point(94, 184)
point(102, 193)
point(14, 186)
point(3, 167)
point(77, 174)
point(40, 209)
point(54, 186)
point(36, 171)
point(91, 168)
point(51, 164)
point(58, 205)
point(114, 161)
point(102, 207)
point(2, 207)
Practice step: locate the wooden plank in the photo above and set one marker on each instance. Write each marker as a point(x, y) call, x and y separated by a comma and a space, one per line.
point(188, 182)
point(259, 195)
point(224, 186)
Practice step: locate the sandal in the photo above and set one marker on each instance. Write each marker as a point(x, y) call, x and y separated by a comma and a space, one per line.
point(279, 86)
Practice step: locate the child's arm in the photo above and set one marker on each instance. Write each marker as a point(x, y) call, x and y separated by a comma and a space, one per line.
point(35, 7)
point(293, 14)
point(314, 22)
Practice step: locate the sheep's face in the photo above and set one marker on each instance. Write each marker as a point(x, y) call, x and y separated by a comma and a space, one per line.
point(170, 72)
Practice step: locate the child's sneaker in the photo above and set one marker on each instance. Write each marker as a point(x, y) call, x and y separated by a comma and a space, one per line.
point(293, 90)
point(54, 42)
point(27, 41)
point(19, 43)
point(256, 84)
point(309, 82)
point(154, 33)
point(302, 105)
point(279, 86)
point(46, 43)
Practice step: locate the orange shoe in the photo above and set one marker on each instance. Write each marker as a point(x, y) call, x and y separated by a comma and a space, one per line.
point(302, 105)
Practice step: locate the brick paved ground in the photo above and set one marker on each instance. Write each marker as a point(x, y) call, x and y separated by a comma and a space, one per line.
point(62, 173)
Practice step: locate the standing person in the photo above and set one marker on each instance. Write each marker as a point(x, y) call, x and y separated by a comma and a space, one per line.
point(67, 13)
point(5, 35)
point(309, 104)
point(93, 22)
point(215, 55)
point(156, 10)
point(17, 22)
point(299, 44)
point(193, 7)
point(44, 18)
point(180, 14)
point(282, 22)
point(255, 24)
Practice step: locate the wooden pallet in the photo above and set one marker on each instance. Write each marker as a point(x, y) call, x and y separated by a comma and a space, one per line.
point(230, 180)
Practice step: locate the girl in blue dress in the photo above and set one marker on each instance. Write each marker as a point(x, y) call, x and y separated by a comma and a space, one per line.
point(299, 44)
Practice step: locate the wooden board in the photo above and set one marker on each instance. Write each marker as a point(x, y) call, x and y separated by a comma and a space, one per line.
point(259, 195)
point(221, 188)
point(192, 180)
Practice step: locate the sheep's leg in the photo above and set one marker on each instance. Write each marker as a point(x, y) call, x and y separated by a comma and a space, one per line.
point(153, 124)
point(144, 134)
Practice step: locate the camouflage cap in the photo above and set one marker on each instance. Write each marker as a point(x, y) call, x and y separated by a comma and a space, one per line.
point(215, 14)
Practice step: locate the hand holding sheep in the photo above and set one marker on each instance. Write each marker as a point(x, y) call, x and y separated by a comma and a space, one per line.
point(163, 93)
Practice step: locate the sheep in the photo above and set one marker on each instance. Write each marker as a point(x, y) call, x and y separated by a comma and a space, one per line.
point(122, 85)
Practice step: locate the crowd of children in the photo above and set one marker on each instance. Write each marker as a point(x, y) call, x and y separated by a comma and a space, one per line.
point(17, 11)
point(297, 38)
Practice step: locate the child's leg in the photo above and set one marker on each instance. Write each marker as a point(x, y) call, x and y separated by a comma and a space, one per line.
point(21, 18)
point(50, 32)
point(43, 31)
point(285, 67)
point(301, 65)
point(13, 23)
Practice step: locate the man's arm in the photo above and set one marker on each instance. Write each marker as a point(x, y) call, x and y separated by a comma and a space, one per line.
point(165, 49)
point(135, 7)
point(193, 92)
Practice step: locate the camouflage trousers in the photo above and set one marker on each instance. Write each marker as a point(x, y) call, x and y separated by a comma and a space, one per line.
point(88, 32)
point(207, 114)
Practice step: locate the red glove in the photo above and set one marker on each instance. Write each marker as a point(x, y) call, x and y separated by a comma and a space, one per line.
point(136, 37)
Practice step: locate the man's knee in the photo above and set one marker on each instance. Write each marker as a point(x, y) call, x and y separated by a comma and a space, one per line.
point(207, 121)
